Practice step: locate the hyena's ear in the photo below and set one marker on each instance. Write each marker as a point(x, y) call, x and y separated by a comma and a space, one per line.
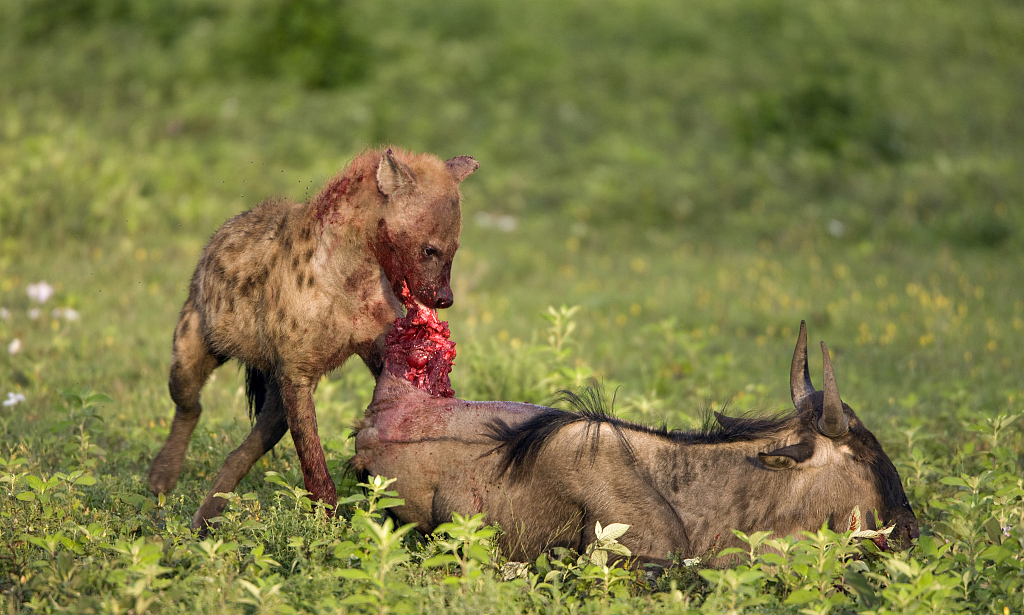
point(392, 175)
point(461, 166)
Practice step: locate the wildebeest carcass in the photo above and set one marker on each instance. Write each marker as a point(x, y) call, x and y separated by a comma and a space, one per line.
point(547, 475)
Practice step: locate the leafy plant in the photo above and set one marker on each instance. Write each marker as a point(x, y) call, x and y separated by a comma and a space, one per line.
point(465, 542)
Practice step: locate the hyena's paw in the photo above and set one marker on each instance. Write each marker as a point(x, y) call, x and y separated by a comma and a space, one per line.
point(211, 507)
point(167, 466)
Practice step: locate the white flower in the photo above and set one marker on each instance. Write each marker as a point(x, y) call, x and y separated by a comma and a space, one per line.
point(40, 292)
point(5, 314)
point(33, 314)
point(14, 347)
point(836, 228)
point(693, 561)
point(66, 313)
point(13, 398)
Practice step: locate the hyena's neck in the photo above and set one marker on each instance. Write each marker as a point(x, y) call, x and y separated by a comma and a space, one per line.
point(343, 217)
point(349, 199)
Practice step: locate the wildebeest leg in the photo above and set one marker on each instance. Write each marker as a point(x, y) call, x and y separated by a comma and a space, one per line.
point(270, 427)
point(191, 364)
point(298, 403)
point(662, 530)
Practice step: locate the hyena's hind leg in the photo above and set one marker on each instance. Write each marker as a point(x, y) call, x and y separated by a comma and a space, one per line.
point(191, 364)
point(271, 425)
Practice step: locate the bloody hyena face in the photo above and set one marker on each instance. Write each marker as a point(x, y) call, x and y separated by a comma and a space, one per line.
point(423, 263)
point(419, 233)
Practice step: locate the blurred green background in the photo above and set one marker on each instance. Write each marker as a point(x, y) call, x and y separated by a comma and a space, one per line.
point(673, 167)
point(698, 176)
point(767, 119)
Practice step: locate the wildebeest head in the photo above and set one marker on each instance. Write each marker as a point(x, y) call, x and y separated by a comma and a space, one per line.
point(834, 459)
point(419, 233)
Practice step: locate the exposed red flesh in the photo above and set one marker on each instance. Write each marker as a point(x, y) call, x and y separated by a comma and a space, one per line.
point(419, 348)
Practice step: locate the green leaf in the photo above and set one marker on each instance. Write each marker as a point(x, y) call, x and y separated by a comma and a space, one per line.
point(861, 585)
point(390, 502)
point(479, 553)
point(618, 549)
point(275, 479)
point(352, 499)
point(754, 601)
point(352, 573)
point(901, 567)
point(926, 546)
point(996, 553)
point(94, 398)
point(955, 481)
point(140, 502)
point(14, 462)
point(774, 559)
point(440, 560)
point(613, 531)
point(803, 596)
point(730, 551)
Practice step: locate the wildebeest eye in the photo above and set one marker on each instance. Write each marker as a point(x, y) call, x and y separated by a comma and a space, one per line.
point(430, 252)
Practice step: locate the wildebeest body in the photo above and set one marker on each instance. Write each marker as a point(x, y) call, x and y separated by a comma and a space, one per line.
point(292, 290)
point(546, 476)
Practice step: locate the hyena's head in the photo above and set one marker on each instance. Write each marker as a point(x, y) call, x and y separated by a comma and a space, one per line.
point(419, 232)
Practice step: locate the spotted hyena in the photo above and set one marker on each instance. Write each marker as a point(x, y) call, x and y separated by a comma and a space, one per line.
point(292, 290)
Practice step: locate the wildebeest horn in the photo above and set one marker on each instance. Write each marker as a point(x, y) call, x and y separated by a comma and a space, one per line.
point(800, 386)
point(833, 422)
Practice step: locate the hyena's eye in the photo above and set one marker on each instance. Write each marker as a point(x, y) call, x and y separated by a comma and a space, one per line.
point(430, 252)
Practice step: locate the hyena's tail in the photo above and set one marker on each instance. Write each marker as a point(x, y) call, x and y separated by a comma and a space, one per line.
point(255, 390)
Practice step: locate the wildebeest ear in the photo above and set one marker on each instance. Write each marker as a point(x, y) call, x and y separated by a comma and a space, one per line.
point(392, 174)
point(787, 456)
point(461, 166)
point(727, 422)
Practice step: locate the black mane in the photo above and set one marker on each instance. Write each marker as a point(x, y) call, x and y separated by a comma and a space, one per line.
point(520, 445)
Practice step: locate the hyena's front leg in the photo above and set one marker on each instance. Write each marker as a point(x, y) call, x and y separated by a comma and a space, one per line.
point(191, 364)
point(298, 402)
point(270, 427)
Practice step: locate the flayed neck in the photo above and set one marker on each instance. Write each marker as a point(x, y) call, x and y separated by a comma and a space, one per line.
point(391, 390)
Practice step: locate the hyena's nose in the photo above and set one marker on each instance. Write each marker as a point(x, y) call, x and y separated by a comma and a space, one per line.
point(445, 300)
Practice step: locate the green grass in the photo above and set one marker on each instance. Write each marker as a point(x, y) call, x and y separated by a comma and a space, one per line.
point(697, 177)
